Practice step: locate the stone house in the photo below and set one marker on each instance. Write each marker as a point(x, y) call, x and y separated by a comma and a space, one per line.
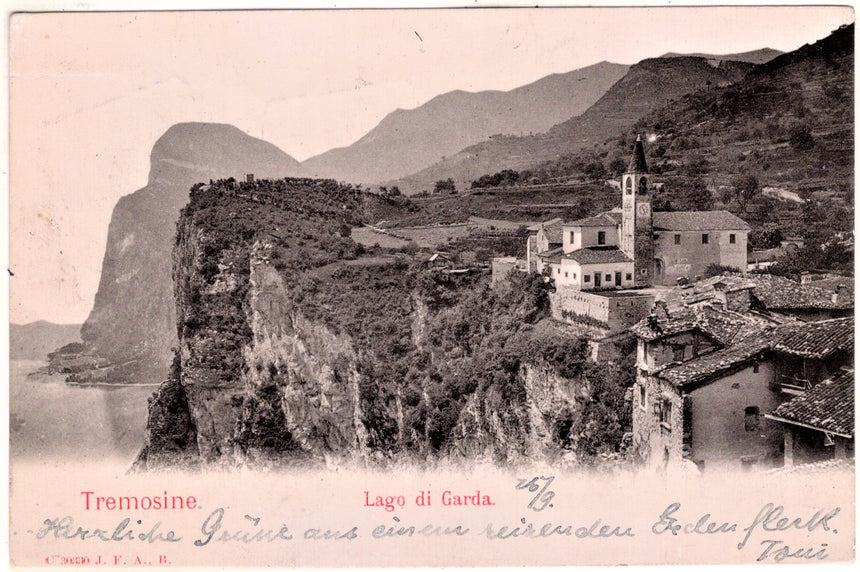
point(546, 241)
point(780, 298)
point(818, 425)
point(809, 352)
point(702, 384)
point(710, 379)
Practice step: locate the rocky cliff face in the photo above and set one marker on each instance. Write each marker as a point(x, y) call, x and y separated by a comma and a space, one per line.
point(132, 324)
point(289, 355)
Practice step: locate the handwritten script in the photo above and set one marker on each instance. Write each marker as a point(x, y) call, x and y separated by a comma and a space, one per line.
point(762, 536)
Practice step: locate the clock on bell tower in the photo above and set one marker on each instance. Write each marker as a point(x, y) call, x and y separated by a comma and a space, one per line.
point(637, 230)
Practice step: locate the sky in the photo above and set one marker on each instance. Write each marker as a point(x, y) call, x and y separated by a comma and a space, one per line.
point(90, 93)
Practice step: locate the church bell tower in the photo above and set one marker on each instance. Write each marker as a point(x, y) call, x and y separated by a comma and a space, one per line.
point(637, 229)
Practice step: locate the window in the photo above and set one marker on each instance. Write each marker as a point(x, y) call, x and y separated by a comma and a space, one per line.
point(565, 274)
point(666, 413)
point(601, 237)
point(574, 275)
point(586, 278)
point(642, 396)
point(628, 276)
point(573, 236)
point(643, 186)
point(629, 186)
point(609, 277)
point(751, 418)
point(643, 272)
point(705, 239)
point(755, 367)
point(678, 353)
point(731, 239)
point(558, 270)
point(677, 239)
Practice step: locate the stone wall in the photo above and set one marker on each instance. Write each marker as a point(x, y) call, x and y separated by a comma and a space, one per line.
point(611, 312)
point(656, 443)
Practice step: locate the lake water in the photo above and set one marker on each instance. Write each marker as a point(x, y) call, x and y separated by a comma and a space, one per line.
point(51, 420)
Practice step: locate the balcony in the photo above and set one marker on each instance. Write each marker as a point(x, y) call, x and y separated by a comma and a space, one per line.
point(792, 385)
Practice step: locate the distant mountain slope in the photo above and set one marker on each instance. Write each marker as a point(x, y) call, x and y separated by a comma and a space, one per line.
point(646, 86)
point(35, 340)
point(133, 317)
point(789, 123)
point(754, 57)
point(406, 141)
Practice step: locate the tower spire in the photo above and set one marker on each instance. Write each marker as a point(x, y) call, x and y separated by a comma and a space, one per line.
point(637, 161)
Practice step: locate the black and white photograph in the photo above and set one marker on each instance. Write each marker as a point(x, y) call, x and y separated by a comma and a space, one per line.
point(577, 279)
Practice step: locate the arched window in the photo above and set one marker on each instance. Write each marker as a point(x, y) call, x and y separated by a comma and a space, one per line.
point(629, 186)
point(643, 186)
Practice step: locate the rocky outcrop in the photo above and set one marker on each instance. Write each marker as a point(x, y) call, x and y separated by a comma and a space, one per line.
point(305, 361)
point(132, 324)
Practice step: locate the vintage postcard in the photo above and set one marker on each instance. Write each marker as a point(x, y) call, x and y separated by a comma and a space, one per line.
point(448, 287)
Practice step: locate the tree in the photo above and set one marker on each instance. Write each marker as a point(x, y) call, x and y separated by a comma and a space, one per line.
point(746, 187)
point(444, 185)
point(768, 236)
point(800, 137)
point(617, 166)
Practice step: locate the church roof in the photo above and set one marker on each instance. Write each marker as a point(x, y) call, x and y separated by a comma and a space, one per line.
point(698, 220)
point(637, 161)
point(598, 255)
point(603, 219)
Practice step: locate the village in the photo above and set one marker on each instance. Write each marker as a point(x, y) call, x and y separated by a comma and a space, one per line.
point(735, 369)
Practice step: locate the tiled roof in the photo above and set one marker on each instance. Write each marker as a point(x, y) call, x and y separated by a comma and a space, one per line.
point(603, 219)
point(615, 215)
point(828, 406)
point(720, 325)
point(698, 220)
point(817, 339)
point(719, 362)
point(536, 226)
point(554, 232)
point(552, 255)
point(652, 328)
point(778, 293)
point(598, 255)
point(820, 467)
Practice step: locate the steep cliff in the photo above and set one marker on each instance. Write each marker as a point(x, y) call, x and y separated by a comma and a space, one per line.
point(131, 326)
point(296, 348)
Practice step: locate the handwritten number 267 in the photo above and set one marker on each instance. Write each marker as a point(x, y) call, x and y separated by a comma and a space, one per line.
point(544, 496)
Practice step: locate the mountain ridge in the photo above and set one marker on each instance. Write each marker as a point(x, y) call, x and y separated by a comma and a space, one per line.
point(644, 87)
point(760, 56)
point(407, 140)
point(132, 324)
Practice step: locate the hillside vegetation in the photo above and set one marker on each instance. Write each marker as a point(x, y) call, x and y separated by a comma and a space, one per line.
point(277, 307)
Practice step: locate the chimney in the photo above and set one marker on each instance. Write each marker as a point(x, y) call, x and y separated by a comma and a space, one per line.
point(661, 310)
point(249, 178)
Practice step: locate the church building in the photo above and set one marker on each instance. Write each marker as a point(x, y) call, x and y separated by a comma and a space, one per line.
point(636, 247)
